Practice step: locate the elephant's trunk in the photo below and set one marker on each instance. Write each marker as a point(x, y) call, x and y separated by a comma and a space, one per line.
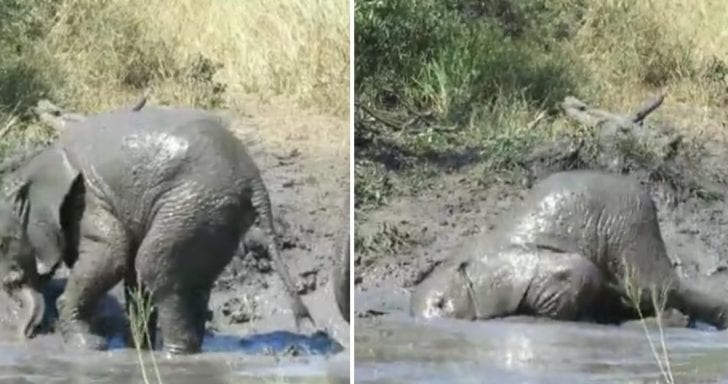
point(33, 309)
point(700, 305)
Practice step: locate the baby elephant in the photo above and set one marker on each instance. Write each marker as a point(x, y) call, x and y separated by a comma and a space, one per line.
point(585, 245)
point(157, 197)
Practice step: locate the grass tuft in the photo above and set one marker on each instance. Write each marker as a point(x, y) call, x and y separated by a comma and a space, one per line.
point(140, 311)
point(658, 299)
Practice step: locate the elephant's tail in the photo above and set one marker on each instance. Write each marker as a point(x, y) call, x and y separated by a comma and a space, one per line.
point(341, 279)
point(262, 206)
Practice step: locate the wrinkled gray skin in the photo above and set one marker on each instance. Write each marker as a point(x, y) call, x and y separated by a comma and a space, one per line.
point(566, 254)
point(157, 198)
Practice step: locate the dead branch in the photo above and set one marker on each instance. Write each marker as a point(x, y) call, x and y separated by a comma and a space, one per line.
point(593, 117)
point(379, 118)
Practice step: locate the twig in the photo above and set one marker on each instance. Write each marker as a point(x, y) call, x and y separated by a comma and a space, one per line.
point(6, 129)
point(537, 120)
point(379, 118)
point(143, 101)
point(648, 107)
point(10, 122)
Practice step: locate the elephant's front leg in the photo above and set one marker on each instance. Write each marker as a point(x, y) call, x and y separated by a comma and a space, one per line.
point(100, 266)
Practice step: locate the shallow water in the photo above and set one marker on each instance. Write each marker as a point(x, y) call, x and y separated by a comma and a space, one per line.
point(395, 348)
point(44, 360)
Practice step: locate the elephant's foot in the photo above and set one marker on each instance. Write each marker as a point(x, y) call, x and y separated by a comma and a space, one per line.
point(77, 334)
point(75, 331)
point(85, 341)
point(181, 349)
point(182, 321)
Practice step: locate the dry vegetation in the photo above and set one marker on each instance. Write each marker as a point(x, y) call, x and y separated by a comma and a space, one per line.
point(90, 55)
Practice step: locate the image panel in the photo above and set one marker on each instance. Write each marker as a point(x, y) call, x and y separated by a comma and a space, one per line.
point(175, 180)
point(540, 191)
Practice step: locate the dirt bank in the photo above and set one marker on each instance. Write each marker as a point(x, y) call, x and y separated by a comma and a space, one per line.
point(402, 240)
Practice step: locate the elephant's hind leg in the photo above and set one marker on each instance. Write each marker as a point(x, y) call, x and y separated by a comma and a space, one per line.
point(178, 262)
point(100, 266)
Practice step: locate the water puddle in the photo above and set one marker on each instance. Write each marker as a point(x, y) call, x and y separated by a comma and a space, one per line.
point(280, 357)
point(396, 348)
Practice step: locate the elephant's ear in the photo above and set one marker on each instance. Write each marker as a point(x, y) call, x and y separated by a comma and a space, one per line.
point(18, 194)
point(71, 211)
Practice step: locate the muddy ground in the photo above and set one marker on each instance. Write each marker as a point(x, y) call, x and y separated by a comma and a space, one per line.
point(401, 241)
point(308, 187)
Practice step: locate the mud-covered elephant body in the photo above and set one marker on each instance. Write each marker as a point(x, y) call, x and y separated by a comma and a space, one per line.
point(566, 253)
point(158, 198)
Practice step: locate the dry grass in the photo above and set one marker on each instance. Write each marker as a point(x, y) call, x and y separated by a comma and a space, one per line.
point(633, 47)
point(658, 298)
point(213, 54)
point(296, 48)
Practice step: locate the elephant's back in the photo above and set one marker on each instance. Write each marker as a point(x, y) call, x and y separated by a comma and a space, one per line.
point(135, 159)
point(582, 211)
point(156, 143)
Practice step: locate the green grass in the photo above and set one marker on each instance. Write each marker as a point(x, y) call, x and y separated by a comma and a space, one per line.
point(463, 82)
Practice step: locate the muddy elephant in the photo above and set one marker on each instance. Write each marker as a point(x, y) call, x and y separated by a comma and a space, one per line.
point(157, 197)
point(584, 245)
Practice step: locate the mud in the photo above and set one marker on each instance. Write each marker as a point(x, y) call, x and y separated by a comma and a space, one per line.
point(420, 230)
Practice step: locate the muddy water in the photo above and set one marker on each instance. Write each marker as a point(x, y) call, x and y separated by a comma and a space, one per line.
point(44, 360)
point(395, 348)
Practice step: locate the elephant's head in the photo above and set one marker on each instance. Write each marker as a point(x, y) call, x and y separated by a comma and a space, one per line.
point(446, 292)
point(18, 273)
